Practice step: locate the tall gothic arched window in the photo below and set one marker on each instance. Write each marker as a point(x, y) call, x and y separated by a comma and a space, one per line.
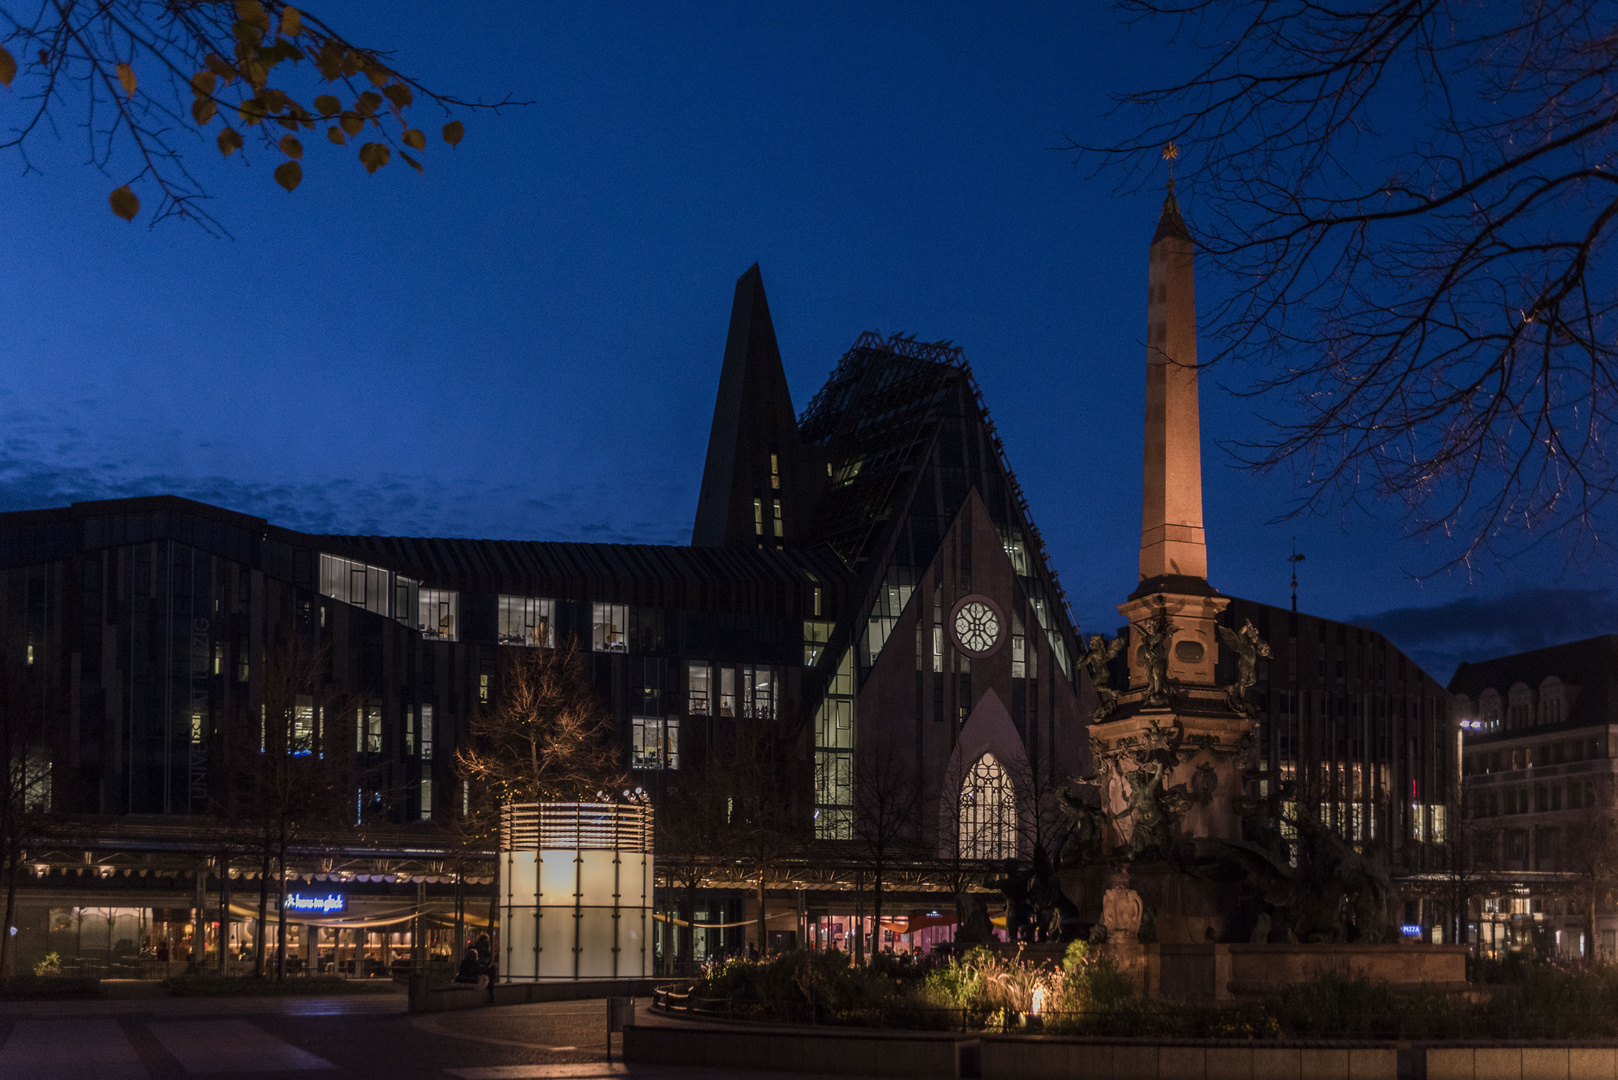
point(988, 812)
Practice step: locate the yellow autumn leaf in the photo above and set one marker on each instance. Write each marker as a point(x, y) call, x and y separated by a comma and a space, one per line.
point(336, 135)
point(352, 122)
point(125, 203)
point(203, 82)
point(291, 147)
point(126, 78)
point(454, 131)
point(229, 141)
point(203, 109)
point(8, 67)
point(414, 139)
point(327, 105)
point(291, 23)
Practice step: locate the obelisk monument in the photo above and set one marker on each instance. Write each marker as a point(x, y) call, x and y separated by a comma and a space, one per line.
point(1170, 755)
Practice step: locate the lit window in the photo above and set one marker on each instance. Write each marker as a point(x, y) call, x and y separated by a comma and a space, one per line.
point(655, 742)
point(364, 586)
point(815, 635)
point(483, 689)
point(727, 691)
point(303, 724)
point(426, 733)
point(776, 503)
point(426, 799)
point(527, 620)
point(368, 729)
point(775, 473)
point(758, 517)
point(988, 812)
point(1019, 658)
point(609, 624)
point(436, 613)
point(410, 731)
point(697, 694)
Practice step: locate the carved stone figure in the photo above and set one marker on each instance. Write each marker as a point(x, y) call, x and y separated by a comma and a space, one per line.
point(1121, 911)
point(1204, 782)
point(1152, 829)
point(1154, 658)
point(1087, 832)
point(1095, 661)
point(1247, 647)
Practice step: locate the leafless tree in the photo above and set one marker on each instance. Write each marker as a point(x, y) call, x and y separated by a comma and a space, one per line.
point(691, 823)
point(549, 737)
point(294, 777)
point(758, 829)
point(25, 793)
point(887, 820)
point(148, 76)
point(1465, 861)
point(1591, 855)
point(1409, 204)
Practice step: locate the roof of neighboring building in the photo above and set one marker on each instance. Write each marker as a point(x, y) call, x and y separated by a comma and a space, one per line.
point(1590, 665)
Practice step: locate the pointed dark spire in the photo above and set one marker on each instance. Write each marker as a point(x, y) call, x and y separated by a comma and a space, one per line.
point(756, 462)
point(1170, 223)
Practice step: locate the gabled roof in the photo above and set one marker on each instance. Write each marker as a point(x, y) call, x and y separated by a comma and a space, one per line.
point(1591, 665)
point(907, 436)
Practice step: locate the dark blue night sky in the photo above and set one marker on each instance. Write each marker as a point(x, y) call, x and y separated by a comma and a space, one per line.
point(525, 342)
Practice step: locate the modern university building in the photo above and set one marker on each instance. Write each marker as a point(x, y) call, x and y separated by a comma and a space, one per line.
point(866, 593)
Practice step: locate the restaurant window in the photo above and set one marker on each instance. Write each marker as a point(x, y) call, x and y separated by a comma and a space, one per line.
point(609, 628)
point(527, 620)
point(436, 613)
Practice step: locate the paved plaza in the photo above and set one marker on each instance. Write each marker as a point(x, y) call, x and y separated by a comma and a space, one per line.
point(152, 1037)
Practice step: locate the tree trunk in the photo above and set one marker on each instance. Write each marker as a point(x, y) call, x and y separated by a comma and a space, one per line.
point(876, 912)
point(690, 924)
point(260, 968)
point(6, 958)
point(460, 918)
point(281, 916)
point(859, 918)
point(224, 915)
point(763, 930)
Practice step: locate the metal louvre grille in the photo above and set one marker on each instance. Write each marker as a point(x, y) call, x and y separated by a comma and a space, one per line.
point(576, 826)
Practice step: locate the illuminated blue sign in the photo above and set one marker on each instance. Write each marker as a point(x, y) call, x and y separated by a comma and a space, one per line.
point(323, 905)
point(1410, 930)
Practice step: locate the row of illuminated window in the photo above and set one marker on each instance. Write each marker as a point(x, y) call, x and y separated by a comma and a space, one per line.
point(434, 612)
point(745, 690)
point(303, 730)
point(1578, 794)
point(1555, 752)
